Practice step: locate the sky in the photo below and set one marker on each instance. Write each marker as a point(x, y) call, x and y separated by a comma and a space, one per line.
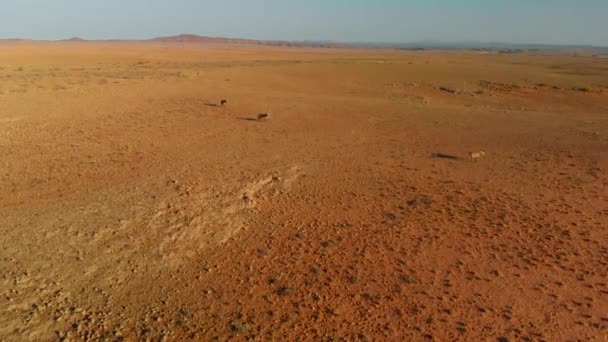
point(583, 22)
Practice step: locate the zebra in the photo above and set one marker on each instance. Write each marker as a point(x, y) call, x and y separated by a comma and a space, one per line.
point(263, 116)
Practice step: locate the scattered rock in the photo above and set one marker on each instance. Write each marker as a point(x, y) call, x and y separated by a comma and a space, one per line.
point(391, 216)
point(408, 280)
point(284, 291)
point(582, 89)
point(327, 244)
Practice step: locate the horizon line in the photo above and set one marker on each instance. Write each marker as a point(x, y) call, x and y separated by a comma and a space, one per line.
point(353, 43)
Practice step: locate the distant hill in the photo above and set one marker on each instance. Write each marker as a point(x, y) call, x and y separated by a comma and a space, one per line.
point(489, 46)
point(509, 48)
point(196, 39)
point(74, 39)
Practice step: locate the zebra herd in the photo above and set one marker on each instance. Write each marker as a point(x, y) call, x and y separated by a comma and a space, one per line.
point(261, 117)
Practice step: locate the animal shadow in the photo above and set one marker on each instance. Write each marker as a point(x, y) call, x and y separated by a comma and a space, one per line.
point(444, 156)
point(248, 119)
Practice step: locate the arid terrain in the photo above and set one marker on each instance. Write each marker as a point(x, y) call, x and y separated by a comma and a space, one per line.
point(134, 207)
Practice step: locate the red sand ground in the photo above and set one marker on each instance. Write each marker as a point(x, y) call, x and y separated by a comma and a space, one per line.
point(132, 207)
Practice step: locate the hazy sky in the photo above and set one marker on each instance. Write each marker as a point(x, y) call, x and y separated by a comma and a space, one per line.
point(519, 21)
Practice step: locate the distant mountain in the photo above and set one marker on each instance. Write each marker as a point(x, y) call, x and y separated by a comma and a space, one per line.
point(483, 46)
point(74, 39)
point(196, 39)
point(414, 46)
point(7, 40)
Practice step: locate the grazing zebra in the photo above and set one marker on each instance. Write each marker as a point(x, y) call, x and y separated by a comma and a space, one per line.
point(263, 116)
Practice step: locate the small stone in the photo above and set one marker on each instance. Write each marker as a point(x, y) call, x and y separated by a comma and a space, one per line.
point(408, 279)
point(283, 291)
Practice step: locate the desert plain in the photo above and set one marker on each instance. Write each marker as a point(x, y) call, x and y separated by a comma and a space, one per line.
point(134, 206)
